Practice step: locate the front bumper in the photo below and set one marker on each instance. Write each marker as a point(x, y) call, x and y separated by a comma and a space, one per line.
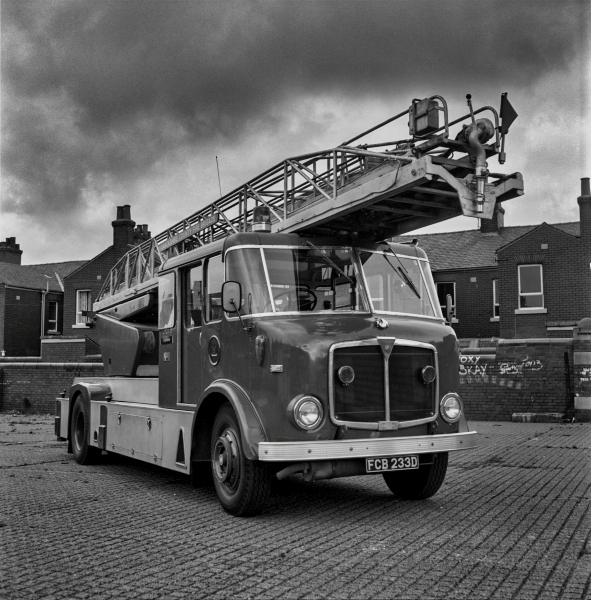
point(365, 448)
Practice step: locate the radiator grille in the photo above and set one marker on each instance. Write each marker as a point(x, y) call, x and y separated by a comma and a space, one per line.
point(365, 399)
point(410, 398)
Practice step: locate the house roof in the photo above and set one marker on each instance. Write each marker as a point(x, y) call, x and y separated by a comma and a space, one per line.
point(36, 277)
point(473, 249)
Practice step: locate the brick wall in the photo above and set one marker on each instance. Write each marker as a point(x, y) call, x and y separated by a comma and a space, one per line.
point(528, 376)
point(57, 350)
point(474, 302)
point(34, 388)
point(565, 299)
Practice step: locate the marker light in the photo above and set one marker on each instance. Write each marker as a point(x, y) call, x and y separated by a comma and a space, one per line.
point(450, 407)
point(346, 375)
point(307, 412)
point(428, 373)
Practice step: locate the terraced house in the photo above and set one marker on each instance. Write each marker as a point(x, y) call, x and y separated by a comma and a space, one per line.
point(529, 281)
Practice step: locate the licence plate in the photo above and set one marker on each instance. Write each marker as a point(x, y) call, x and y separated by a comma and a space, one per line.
point(382, 464)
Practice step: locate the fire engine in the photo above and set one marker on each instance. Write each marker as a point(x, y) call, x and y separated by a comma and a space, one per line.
point(279, 331)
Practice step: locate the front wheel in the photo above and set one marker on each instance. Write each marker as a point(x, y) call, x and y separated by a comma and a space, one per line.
point(243, 486)
point(421, 483)
point(83, 452)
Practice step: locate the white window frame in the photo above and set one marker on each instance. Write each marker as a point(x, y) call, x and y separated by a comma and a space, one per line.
point(49, 320)
point(496, 307)
point(443, 306)
point(82, 321)
point(520, 293)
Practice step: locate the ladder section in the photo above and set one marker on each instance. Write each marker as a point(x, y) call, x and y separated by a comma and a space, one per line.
point(367, 192)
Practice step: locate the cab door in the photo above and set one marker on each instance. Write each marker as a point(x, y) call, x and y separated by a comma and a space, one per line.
point(191, 327)
point(212, 339)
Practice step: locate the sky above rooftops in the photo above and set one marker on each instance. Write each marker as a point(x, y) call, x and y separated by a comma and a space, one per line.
point(107, 103)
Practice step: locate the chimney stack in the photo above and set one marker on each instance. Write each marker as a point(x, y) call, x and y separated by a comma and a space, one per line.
point(495, 224)
point(141, 234)
point(123, 229)
point(10, 252)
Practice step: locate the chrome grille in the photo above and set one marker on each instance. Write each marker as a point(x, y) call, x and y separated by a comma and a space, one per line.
point(363, 400)
point(410, 398)
point(388, 391)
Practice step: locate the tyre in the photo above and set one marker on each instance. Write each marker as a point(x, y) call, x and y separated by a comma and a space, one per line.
point(421, 483)
point(84, 453)
point(243, 486)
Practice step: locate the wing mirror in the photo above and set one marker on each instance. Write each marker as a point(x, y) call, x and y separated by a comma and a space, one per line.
point(449, 311)
point(231, 296)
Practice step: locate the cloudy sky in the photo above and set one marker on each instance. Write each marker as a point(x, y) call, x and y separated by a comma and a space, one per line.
point(111, 102)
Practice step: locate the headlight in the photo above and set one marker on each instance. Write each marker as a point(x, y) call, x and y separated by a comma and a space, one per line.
point(307, 412)
point(450, 407)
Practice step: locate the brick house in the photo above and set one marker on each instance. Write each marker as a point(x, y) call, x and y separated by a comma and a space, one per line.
point(31, 301)
point(515, 282)
point(82, 286)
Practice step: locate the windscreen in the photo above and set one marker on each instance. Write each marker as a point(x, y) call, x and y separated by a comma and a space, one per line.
point(313, 280)
point(397, 284)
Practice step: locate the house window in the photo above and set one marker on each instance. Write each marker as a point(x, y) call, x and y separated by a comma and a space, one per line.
point(83, 303)
point(443, 289)
point(531, 286)
point(495, 297)
point(52, 317)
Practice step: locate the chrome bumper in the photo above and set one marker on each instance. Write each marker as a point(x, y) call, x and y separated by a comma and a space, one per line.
point(365, 448)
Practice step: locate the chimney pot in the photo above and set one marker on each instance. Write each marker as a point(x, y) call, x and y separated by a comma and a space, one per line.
point(119, 212)
point(585, 189)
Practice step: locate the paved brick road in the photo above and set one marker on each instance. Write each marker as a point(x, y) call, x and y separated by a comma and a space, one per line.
point(511, 521)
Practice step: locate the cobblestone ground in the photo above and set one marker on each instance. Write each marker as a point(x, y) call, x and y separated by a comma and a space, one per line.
point(511, 521)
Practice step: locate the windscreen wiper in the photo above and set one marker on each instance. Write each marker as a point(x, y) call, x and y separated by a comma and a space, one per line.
point(331, 263)
point(402, 270)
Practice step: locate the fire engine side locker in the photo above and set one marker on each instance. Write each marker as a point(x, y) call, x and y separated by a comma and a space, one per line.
point(136, 426)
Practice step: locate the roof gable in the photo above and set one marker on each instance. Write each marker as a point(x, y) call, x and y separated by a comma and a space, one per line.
point(570, 231)
point(473, 249)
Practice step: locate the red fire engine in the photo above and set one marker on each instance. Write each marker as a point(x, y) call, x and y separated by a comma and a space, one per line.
point(277, 331)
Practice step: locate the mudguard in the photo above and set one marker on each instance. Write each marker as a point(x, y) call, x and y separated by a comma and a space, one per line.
point(91, 390)
point(251, 427)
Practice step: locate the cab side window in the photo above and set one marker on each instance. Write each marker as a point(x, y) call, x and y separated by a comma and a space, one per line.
point(166, 301)
point(215, 279)
point(193, 296)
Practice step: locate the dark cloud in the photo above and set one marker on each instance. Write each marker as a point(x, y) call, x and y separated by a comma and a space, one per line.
point(106, 88)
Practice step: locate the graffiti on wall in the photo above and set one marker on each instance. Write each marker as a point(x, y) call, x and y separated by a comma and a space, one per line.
point(476, 368)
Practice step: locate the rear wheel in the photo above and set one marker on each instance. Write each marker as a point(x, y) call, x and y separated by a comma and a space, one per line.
point(83, 452)
point(421, 483)
point(243, 486)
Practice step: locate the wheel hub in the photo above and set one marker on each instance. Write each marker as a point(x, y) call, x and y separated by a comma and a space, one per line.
point(225, 459)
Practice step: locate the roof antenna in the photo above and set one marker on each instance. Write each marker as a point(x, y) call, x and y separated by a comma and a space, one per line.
point(219, 181)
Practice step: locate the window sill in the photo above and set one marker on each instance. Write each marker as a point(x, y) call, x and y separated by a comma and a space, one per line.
point(81, 326)
point(495, 319)
point(531, 311)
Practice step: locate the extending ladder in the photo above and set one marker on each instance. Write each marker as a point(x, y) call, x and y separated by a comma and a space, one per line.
point(367, 192)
